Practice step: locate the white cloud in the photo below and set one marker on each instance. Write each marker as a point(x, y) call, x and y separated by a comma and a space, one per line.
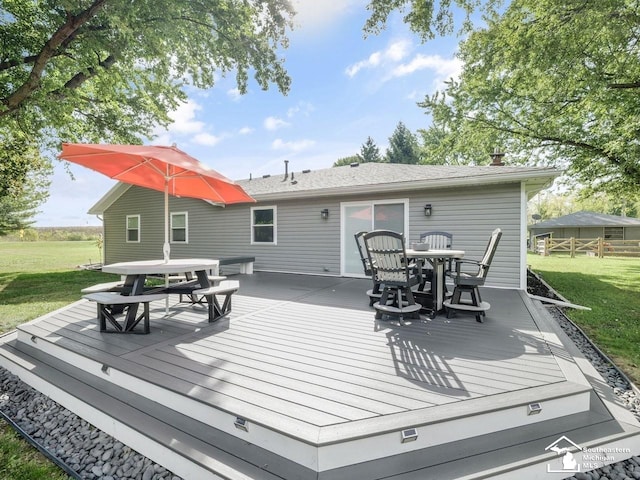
point(443, 67)
point(184, 119)
point(245, 131)
point(279, 144)
point(305, 108)
point(394, 53)
point(234, 94)
point(274, 123)
point(313, 16)
point(207, 139)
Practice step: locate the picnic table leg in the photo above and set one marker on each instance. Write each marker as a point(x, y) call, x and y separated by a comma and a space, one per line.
point(137, 288)
point(203, 280)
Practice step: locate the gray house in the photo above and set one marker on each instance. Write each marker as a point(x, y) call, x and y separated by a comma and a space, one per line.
point(304, 222)
point(588, 225)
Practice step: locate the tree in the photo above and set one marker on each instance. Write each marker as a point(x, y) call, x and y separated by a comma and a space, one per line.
point(18, 207)
point(341, 162)
point(550, 82)
point(369, 152)
point(427, 18)
point(112, 70)
point(24, 182)
point(403, 146)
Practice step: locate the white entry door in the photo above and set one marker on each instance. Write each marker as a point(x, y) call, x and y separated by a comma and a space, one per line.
point(368, 216)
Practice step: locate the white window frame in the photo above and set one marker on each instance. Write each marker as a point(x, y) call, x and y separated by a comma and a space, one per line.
point(368, 203)
point(127, 229)
point(186, 227)
point(274, 225)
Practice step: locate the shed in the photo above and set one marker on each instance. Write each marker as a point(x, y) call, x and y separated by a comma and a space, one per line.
point(304, 221)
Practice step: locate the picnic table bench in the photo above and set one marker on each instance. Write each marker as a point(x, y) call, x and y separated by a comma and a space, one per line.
point(110, 304)
point(226, 289)
point(245, 262)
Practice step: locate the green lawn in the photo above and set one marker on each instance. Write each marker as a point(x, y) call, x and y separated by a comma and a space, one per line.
point(39, 277)
point(20, 461)
point(611, 288)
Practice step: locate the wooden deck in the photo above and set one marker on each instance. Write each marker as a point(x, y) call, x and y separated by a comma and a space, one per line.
point(321, 386)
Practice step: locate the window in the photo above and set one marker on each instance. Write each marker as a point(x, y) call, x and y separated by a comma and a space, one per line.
point(614, 233)
point(179, 226)
point(263, 225)
point(133, 228)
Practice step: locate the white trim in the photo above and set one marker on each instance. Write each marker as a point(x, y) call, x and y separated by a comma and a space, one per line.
point(275, 224)
point(524, 234)
point(186, 228)
point(126, 229)
point(365, 203)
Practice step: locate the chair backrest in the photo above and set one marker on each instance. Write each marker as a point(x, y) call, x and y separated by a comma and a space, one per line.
point(364, 256)
point(487, 258)
point(387, 252)
point(437, 240)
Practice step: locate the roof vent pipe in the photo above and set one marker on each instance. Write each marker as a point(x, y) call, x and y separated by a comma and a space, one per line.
point(496, 158)
point(286, 169)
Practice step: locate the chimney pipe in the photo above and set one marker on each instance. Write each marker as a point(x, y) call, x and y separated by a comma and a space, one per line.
point(496, 158)
point(286, 169)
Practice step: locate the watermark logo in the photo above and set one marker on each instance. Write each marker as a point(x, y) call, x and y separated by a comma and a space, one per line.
point(591, 457)
point(565, 449)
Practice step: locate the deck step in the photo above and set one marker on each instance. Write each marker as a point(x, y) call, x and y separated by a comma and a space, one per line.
point(187, 447)
point(193, 449)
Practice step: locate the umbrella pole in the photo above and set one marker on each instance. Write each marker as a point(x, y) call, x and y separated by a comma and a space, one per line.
point(166, 248)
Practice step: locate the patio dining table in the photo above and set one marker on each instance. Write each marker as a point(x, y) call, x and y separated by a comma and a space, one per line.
point(136, 274)
point(437, 260)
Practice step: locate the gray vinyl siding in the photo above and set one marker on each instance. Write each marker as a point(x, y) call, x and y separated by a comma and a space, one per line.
point(308, 244)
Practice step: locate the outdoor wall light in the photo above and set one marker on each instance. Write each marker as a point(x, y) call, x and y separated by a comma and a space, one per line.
point(409, 435)
point(324, 213)
point(427, 210)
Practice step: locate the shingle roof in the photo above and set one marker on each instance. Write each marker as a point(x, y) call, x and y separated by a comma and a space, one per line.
point(588, 219)
point(377, 176)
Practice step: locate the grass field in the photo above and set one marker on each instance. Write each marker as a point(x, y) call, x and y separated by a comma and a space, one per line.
point(611, 288)
point(39, 277)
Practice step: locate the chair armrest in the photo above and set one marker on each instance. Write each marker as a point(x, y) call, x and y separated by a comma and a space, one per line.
point(464, 261)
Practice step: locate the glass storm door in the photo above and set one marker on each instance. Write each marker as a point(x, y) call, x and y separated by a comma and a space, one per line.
point(368, 216)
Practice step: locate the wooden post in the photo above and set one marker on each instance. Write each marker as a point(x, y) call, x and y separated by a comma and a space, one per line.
point(545, 252)
point(600, 247)
point(573, 246)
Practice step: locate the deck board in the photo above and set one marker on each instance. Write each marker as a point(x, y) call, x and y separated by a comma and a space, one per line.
point(311, 352)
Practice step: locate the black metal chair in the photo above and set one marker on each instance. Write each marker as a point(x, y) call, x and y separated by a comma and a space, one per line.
point(375, 293)
point(469, 281)
point(387, 254)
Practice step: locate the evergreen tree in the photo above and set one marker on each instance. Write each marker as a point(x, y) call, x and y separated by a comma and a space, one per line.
point(369, 153)
point(403, 146)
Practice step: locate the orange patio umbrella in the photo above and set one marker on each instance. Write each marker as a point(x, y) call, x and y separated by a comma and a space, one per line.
point(167, 169)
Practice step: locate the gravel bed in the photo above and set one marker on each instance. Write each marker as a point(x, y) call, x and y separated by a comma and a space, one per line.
point(93, 454)
point(86, 450)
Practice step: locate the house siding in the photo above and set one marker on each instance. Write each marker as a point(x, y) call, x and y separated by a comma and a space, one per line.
point(308, 244)
point(630, 233)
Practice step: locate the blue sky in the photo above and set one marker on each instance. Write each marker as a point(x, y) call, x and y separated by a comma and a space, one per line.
point(344, 89)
